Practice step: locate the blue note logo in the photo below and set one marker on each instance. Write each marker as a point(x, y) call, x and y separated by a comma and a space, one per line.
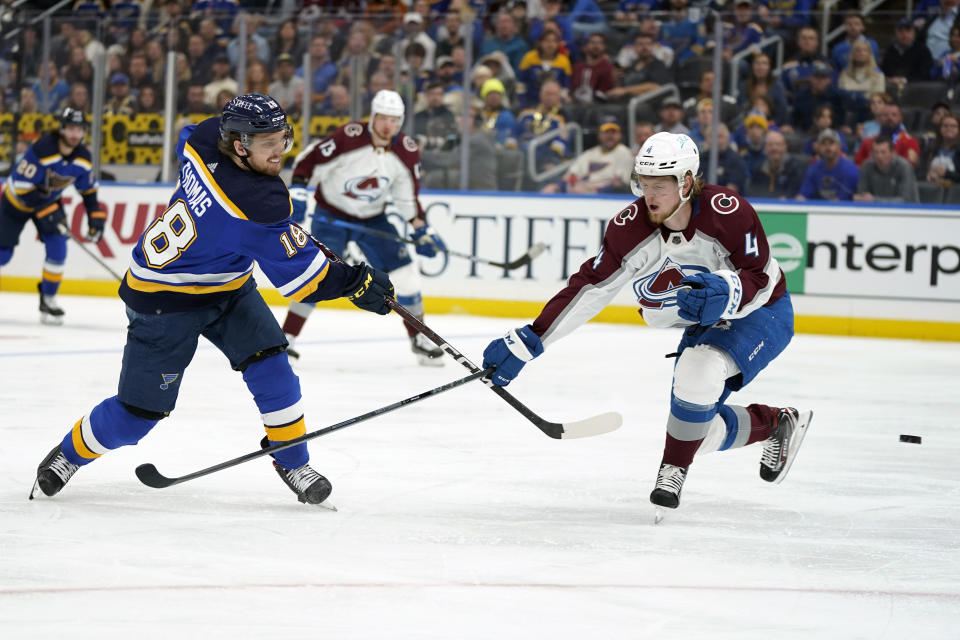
point(168, 379)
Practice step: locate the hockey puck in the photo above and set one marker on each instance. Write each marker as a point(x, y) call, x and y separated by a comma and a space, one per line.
point(911, 439)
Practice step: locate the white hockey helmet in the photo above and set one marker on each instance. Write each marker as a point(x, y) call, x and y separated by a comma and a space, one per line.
point(666, 154)
point(388, 103)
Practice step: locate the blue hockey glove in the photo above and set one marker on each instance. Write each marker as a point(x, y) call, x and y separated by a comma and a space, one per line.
point(298, 198)
point(710, 298)
point(96, 220)
point(510, 353)
point(428, 242)
point(368, 290)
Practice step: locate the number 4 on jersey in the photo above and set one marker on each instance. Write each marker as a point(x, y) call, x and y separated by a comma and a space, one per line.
point(750, 245)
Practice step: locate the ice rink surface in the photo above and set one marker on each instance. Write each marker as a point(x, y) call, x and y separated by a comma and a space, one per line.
point(459, 519)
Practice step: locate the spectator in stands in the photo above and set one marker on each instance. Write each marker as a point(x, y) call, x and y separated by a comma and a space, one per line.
point(357, 49)
point(436, 131)
point(322, 69)
point(543, 62)
point(156, 60)
point(451, 33)
point(891, 124)
point(938, 33)
point(682, 32)
point(671, 117)
point(198, 59)
point(386, 16)
point(661, 51)
point(493, 117)
point(785, 17)
point(833, 176)
point(642, 130)
point(822, 120)
point(760, 80)
point(28, 101)
point(780, 174)
point(415, 78)
point(140, 74)
point(223, 97)
point(796, 72)
point(886, 177)
point(595, 74)
point(819, 89)
point(861, 75)
point(942, 160)
point(547, 116)
point(120, 103)
point(506, 39)
point(701, 124)
point(907, 59)
point(287, 40)
point(262, 44)
point(500, 67)
point(336, 103)
point(870, 128)
point(753, 149)
point(195, 102)
point(731, 169)
point(53, 91)
point(740, 33)
point(79, 97)
point(148, 101)
point(220, 80)
point(947, 66)
point(78, 68)
point(646, 74)
point(553, 12)
point(413, 29)
point(854, 28)
point(929, 136)
point(446, 75)
point(604, 168)
point(286, 88)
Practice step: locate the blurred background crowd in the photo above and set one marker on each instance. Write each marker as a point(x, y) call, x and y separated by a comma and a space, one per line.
point(809, 99)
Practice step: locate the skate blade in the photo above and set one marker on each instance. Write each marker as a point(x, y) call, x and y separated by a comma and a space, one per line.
point(803, 422)
point(36, 485)
point(327, 506)
point(54, 321)
point(658, 514)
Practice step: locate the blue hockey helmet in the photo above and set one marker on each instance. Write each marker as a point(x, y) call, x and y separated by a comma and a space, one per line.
point(252, 113)
point(72, 116)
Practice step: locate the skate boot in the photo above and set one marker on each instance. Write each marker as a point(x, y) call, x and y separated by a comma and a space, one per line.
point(428, 354)
point(50, 311)
point(310, 486)
point(54, 473)
point(780, 449)
point(669, 484)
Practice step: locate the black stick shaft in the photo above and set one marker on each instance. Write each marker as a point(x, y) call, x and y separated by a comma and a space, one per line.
point(148, 474)
point(66, 231)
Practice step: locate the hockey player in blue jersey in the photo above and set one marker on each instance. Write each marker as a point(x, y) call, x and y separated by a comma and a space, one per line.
point(33, 192)
point(191, 275)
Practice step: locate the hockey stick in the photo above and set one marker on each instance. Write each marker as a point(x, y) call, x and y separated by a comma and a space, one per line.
point(148, 474)
point(65, 231)
point(594, 426)
point(522, 261)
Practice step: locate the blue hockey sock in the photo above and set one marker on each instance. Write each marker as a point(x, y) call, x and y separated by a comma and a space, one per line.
point(107, 427)
point(276, 390)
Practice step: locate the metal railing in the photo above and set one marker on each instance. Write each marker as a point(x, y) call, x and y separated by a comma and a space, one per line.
point(667, 90)
point(828, 35)
point(734, 80)
point(545, 138)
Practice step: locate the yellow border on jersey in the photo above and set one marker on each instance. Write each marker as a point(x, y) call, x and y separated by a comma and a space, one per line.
point(819, 325)
point(197, 162)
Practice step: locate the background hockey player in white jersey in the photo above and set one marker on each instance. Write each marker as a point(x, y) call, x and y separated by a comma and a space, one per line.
point(357, 170)
point(697, 257)
point(34, 191)
point(191, 275)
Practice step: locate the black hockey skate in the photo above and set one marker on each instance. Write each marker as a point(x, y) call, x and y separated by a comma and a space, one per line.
point(428, 354)
point(669, 484)
point(310, 486)
point(54, 473)
point(780, 449)
point(50, 311)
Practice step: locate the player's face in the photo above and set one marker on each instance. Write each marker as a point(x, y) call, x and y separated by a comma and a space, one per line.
point(661, 195)
point(386, 126)
point(72, 134)
point(266, 152)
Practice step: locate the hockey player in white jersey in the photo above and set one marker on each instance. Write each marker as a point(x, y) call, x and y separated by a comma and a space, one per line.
point(357, 170)
point(697, 257)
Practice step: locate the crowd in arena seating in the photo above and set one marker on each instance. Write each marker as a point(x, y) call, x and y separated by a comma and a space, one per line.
point(872, 120)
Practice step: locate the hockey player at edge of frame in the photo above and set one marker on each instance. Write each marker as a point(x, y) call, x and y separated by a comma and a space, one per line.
point(698, 258)
point(356, 170)
point(34, 191)
point(191, 275)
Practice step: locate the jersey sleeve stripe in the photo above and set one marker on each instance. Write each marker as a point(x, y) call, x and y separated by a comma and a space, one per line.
point(145, 286)
point(55, 158)
point(83, 162)
point(318, 267)
point(212, 186)
point(12, 199)
point(311, 286)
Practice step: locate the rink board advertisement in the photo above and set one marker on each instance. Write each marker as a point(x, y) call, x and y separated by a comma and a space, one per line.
point(854, 261)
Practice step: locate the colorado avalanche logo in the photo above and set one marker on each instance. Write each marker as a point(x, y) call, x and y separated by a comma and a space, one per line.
point(724, 204)
point(410, 144)
point(659, 290)
point(366, 188)
point(626, 215)
point(353, 130)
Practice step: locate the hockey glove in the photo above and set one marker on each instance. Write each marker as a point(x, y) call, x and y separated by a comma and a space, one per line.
point(510, 353)
point(298, 198)
point(96, 219)
point(710, 298)
point(369, 289)
point(428, 242)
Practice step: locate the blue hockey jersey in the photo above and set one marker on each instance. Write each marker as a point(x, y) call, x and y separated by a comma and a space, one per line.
point(40, 177)
point(219, 220)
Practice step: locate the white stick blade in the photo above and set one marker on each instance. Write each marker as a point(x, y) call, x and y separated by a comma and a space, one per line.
point(595, 426)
